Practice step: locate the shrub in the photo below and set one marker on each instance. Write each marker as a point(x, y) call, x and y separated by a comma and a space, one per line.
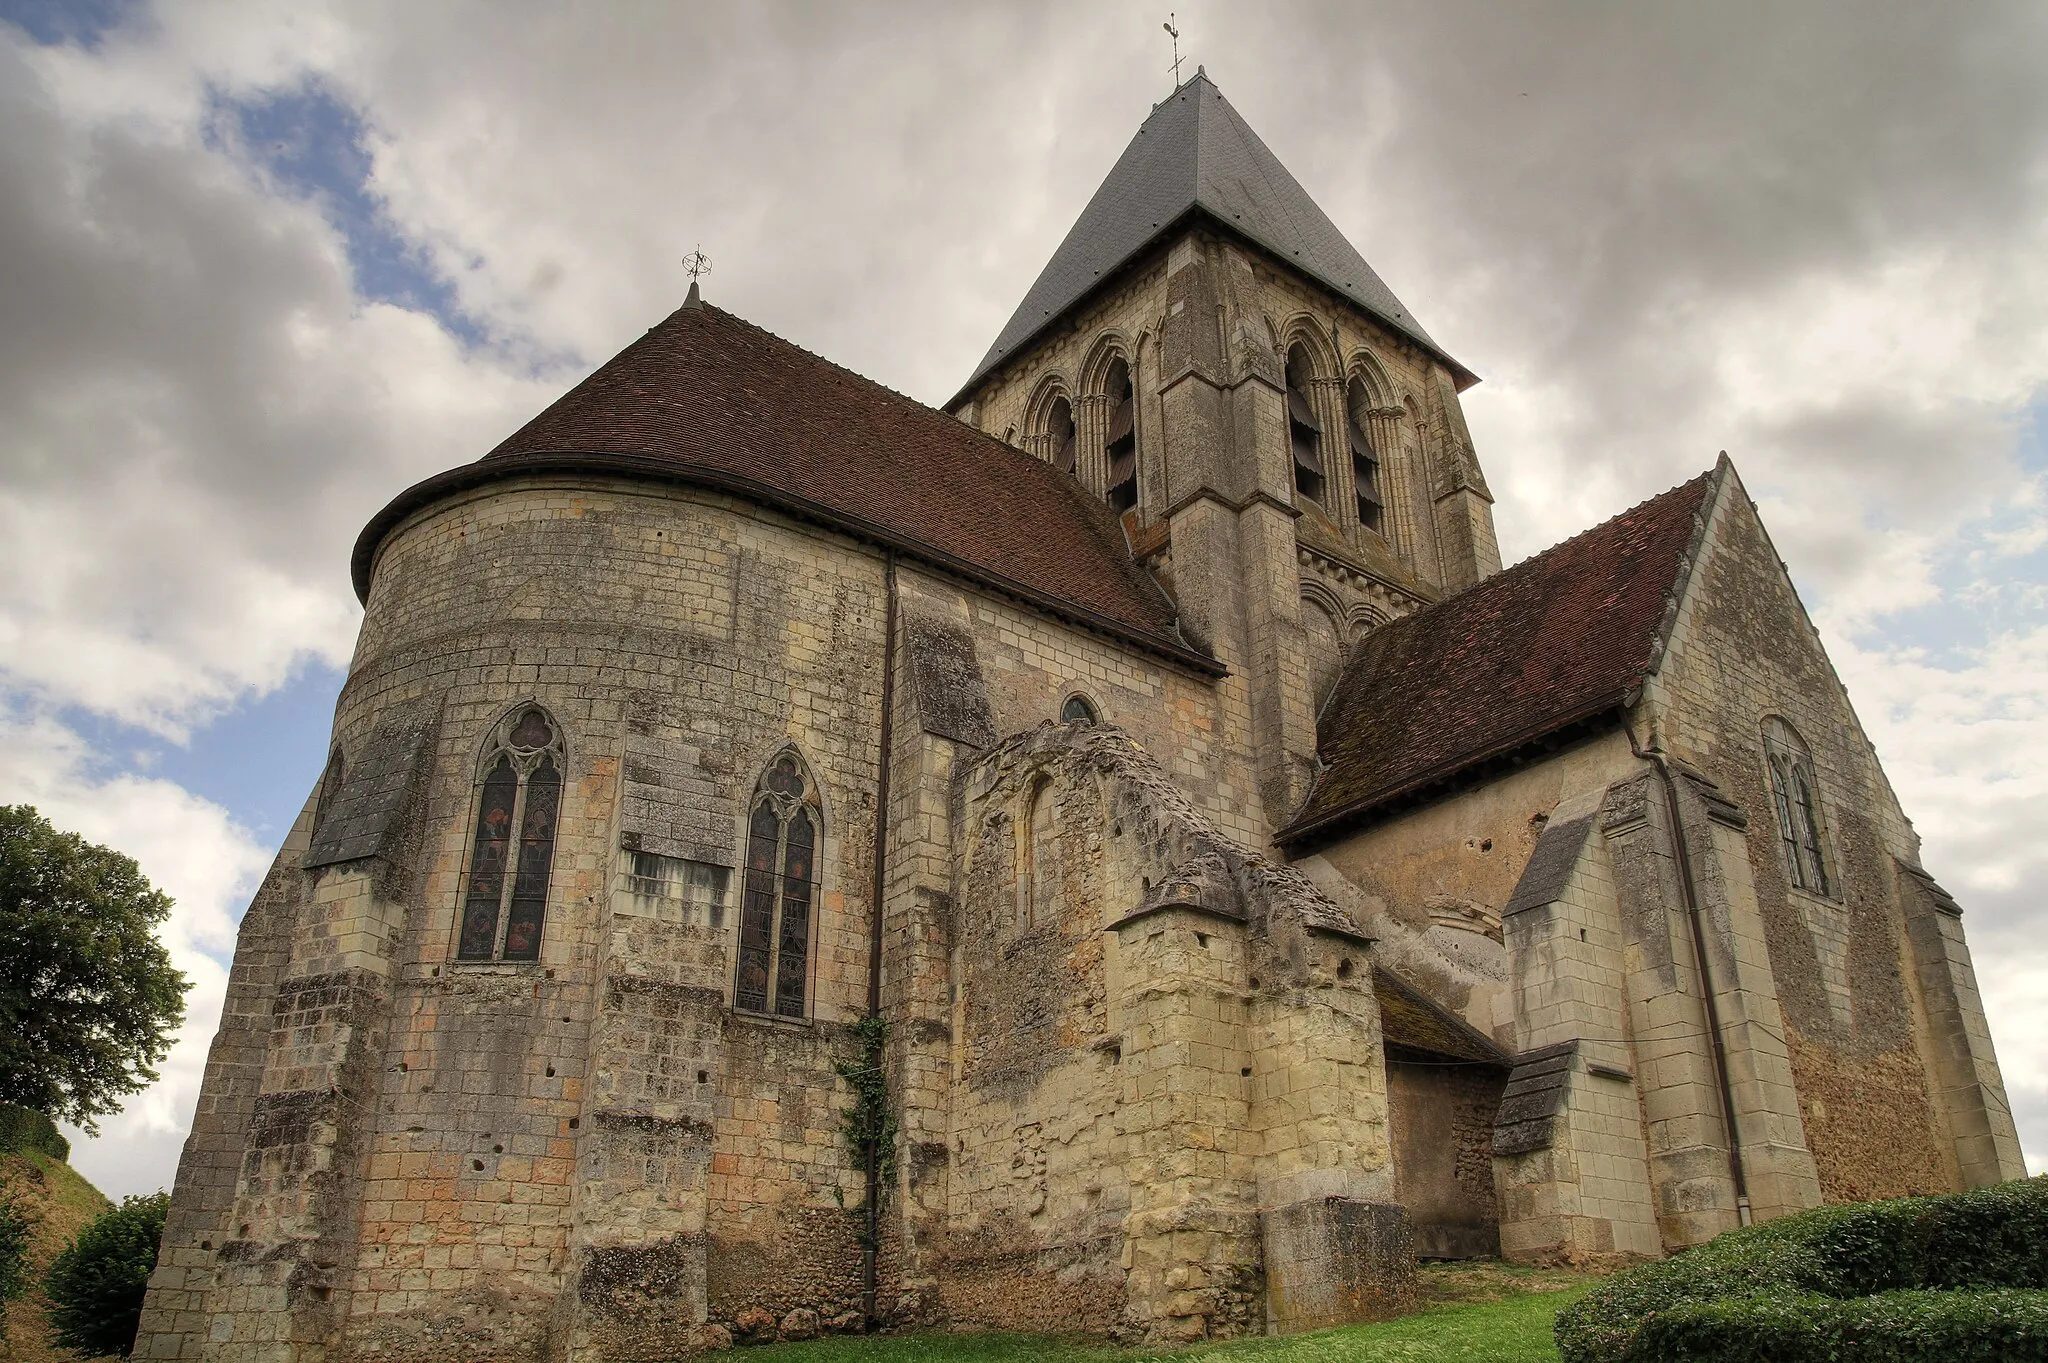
point(24, 1128)
point(1930, 1326)
point(15, 1227)
point(95, 1286)
point(1800, 1281)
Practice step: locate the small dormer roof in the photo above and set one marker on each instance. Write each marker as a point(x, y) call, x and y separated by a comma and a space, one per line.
point(1195, 155)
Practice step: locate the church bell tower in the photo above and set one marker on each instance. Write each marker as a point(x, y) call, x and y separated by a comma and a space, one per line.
point(1284, 442)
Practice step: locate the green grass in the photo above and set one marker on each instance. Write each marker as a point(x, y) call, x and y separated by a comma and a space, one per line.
point(1515, 1329)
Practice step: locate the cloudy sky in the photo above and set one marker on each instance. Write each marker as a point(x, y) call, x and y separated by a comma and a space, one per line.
point(261, 267)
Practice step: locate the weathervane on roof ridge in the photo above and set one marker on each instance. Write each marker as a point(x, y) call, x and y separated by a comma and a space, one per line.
point(696, 265)
point(1174, 33)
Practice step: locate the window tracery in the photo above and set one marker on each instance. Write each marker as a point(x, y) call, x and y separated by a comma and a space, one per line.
point(1795, 798)
point(512, 850)
point(784, 833)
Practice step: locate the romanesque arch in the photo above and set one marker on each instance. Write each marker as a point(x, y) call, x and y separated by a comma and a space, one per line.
point(1051, 429)
point(1110, 381)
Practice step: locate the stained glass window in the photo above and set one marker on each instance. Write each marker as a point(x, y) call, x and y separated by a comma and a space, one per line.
point(521, 790)
point(773, 971)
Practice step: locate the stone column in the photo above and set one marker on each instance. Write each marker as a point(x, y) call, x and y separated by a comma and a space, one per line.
point(1338, 483)
point(1091, 430)
point(1397, 484)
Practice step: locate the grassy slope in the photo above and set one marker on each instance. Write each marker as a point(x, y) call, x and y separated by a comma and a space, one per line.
point(1483, 1315)
point(64, 1204)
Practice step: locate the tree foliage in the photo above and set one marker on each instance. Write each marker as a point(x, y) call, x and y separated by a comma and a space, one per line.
point(96, 1284)
point(88, 999)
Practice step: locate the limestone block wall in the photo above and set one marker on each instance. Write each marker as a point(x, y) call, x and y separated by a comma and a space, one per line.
point(1441, 1114)
point(1850, 978)
point(1431, 884)
point(1165, 1054)
point(187, 1291)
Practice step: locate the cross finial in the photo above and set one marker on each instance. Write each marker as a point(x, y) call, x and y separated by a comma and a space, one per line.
point(697, 264)
point(1174, 33)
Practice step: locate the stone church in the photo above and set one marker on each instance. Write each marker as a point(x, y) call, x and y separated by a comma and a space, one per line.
point(1116, 854)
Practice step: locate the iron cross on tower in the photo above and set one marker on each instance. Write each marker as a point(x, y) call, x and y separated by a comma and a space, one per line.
point(697, 264)
point(1174, 33)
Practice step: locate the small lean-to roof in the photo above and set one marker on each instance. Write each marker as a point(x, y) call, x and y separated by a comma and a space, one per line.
point(706, 398)
point(1195, 153)
point(1555, 641)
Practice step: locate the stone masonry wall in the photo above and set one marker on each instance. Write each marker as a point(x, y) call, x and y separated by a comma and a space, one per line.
point(1857, 1027)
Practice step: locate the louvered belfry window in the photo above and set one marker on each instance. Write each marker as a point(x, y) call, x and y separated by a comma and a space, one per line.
point(1365, 473)
point(1304, 432)
point(1121, 444)
point(784, 833)
point(512, 850)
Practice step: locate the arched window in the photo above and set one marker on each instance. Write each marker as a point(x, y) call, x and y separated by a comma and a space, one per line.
point(1365, 461)
point(1795, 797)
point(1078, 707)
point(1060, 434)
point(1038, 846)
point(1121, 444)
point(784, 834)
point(513, 852)
point(1304, 432)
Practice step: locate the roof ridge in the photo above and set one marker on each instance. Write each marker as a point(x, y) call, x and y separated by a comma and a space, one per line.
point(926, 408)
point(1555, 641)
point(1543, 555)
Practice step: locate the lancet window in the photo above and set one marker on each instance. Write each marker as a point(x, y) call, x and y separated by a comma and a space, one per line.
point(512, 853)
point(1365, 460)
point(1304, 432)
point(1078, 707)
point(1795, 797)
point(778, 904)
point(1121, 444)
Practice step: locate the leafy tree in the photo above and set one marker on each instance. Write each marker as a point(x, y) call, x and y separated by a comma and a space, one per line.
point(95, 1285)
point(88, 998)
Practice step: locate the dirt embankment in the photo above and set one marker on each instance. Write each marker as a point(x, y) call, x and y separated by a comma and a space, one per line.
point(60, 1204)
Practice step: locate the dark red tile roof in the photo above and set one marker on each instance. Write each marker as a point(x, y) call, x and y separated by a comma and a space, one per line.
point(714, 400)
point(1554, 641)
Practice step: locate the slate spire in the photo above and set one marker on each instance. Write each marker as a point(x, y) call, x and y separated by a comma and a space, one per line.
point(1195, 155)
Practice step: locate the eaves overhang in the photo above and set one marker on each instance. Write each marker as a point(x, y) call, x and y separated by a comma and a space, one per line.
point(648, 468)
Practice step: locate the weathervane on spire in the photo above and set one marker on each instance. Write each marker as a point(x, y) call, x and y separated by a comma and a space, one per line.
point(698, 265)
point(1174, 33)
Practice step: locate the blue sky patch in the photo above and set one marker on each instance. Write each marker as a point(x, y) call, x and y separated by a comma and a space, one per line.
point(258, 761)
point(314, 145)
point(54, 22)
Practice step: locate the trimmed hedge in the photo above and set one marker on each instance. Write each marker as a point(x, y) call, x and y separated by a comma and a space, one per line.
point(1955, 1277)
point(23, 1128)
point(2002, 1325)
